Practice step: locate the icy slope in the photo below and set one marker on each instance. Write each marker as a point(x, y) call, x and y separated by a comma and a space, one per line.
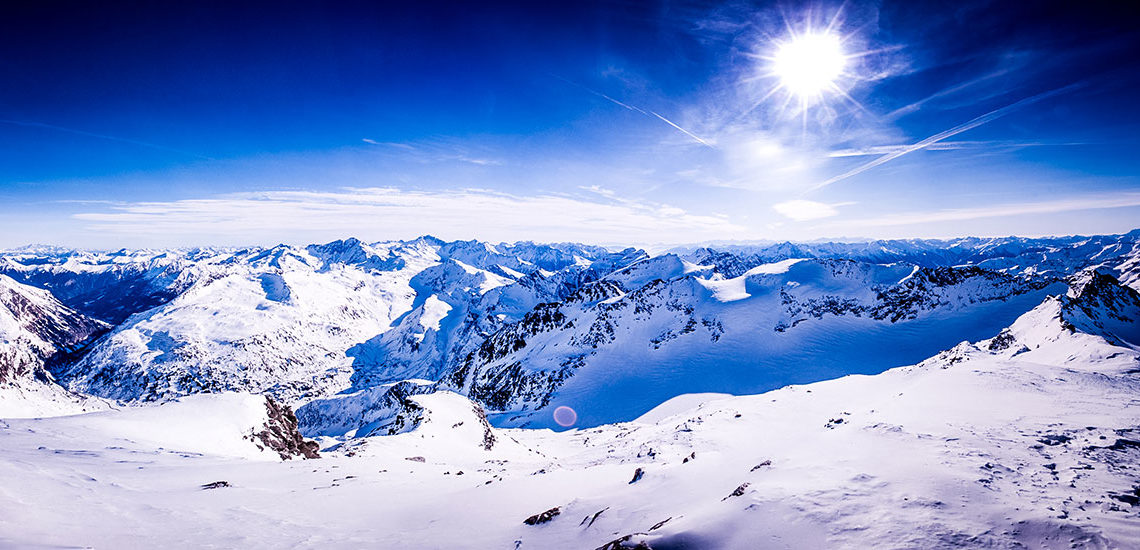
point(1027, 440)
point(37, 331)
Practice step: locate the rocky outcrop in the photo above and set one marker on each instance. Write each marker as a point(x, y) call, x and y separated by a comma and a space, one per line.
point(539, 519)
point(280, 433)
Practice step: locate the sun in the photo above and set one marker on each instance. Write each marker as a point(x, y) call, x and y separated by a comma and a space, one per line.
point(809, 65)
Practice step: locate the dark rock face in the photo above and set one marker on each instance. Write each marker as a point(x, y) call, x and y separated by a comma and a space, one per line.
point(280, 433)
point(216, 485)
point(625, 543)
point(544, 517)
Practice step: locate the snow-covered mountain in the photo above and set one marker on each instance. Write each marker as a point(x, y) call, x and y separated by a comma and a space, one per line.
point(1025, 439)
point(336, 329)
point(296, 322)
point(36, 332)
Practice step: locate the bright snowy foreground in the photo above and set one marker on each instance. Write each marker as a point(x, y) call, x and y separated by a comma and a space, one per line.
point(1030, 439)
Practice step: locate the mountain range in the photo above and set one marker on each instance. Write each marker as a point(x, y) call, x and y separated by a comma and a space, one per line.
point(979, 393)
point(346, 331)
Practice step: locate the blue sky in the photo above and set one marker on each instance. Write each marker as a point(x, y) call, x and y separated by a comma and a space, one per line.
point(132, 124)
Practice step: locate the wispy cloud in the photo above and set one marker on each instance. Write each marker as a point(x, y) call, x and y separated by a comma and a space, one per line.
point(803, 210)
point(387, 212)
point(155, 146)
point(405, 146)
point(1096, 202)
point(436, 152)
point(973, 123)
point(915, 106)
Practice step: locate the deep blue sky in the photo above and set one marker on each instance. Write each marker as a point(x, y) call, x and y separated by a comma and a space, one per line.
point(146, 123)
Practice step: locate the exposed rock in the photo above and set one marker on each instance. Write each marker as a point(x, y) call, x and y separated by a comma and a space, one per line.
point(637, 475)
point(488, 434)
point(739, 491)
point(544, 517)
point(761, 465)
point(593, 518)
point(1004, 340)
point(280, 433)
point(216, 485)
point(626, 543)
point(1131, 498)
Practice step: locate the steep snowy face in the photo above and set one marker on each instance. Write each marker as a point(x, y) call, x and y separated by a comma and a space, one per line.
point(36, 332)
point(1096, 307)
point(665, 327)
point(36, 329)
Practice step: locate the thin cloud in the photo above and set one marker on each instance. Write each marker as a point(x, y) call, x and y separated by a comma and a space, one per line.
point(436, 152)
point(804, 210)
point(103, 136)
point(404, 146)
point(974, 123)
point(478, 161)
point(1121, 200)
point(907, 109)
point(386, 213)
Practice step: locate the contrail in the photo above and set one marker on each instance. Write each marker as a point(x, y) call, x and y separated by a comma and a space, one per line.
point(102, 136)
point(639, 110)
point(952, 146)
point(684, 131)
point(983, 119)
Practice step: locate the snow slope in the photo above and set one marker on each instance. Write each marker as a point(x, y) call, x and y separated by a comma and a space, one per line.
point(1028, 439)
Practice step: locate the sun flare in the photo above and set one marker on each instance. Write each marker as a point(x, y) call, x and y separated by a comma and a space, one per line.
point(809, 64)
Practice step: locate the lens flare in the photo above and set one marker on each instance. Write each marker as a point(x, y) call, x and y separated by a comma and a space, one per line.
point(565, 416)
point(809, 64)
